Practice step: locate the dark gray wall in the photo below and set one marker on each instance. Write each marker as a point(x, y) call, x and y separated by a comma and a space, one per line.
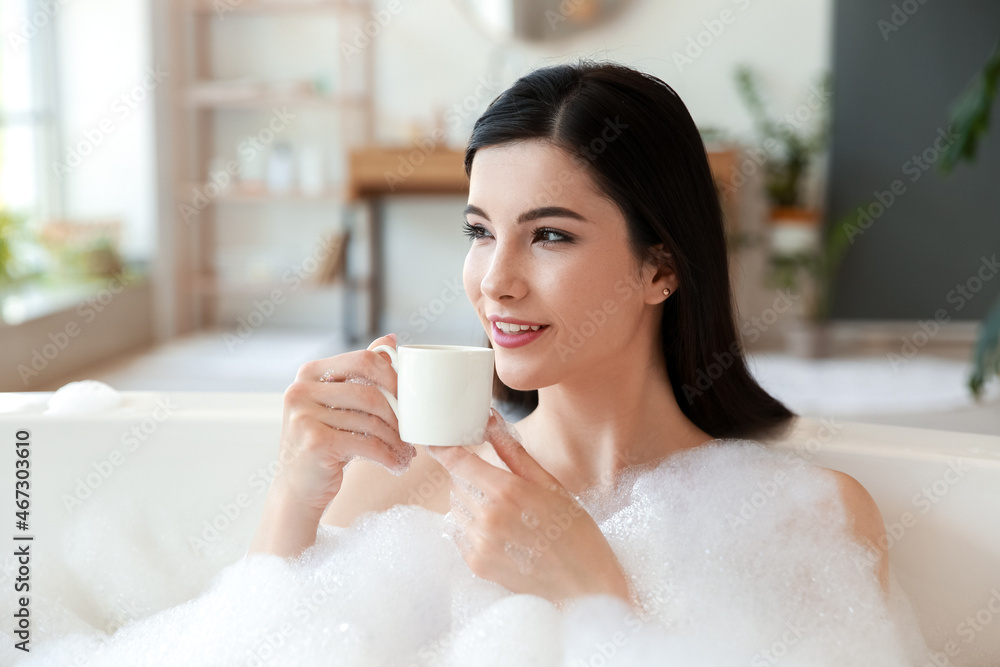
point(892, 95)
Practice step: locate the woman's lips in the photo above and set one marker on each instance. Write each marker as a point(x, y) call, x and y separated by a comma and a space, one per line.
point(504, 339)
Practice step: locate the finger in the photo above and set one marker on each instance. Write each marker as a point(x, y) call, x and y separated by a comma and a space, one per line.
point(508, 447)
point(469, 491)
point(459, 461)
point(388, 339)
point(361, 366)
point(374, 366)
point(358, 435)
point(467, 513)
point(358, 421)
point(355, 445)
point(350, 396)
point(474, 500)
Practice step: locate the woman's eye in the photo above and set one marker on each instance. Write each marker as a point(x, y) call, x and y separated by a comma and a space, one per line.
point(544, 234)
point(559, 236)
point(473, 231)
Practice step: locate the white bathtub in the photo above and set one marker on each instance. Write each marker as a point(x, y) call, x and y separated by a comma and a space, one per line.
point(172, 484)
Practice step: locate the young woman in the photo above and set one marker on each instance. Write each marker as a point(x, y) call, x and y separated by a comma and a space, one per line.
point(598, 268)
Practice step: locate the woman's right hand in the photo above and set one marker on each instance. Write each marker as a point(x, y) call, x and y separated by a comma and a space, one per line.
point(328, 422)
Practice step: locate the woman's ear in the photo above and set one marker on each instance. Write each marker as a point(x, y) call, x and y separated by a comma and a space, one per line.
point(660, 265)
point(658, 255)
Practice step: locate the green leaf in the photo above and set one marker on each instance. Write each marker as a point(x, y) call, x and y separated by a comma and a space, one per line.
point(970, 115)
point(786, 167)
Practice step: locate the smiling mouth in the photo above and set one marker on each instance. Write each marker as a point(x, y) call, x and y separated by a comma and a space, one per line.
point(516, 329)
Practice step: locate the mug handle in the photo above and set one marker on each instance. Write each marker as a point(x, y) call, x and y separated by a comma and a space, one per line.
point(394, 360)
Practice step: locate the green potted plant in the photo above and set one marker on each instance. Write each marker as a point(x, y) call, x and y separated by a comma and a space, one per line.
point(802, 259)
point(789, 145)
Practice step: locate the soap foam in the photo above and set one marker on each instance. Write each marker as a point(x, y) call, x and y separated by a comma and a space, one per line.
point(718, 584)
point(83, 397)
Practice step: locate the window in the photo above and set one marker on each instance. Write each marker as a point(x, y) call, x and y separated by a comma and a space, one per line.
point(27, 129)
point(77, 166)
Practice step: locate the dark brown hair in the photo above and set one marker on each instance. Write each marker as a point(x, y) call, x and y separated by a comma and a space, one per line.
point(653, 165)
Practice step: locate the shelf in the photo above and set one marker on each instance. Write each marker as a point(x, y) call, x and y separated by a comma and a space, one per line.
point(203, 100)
point(224, 8)
point(208, 284)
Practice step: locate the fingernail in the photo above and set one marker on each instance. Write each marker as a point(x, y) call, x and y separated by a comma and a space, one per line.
point(392, 336)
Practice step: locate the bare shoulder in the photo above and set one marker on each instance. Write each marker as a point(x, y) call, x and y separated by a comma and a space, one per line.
point(369, 487)
point(866, 519)
point(860, 505)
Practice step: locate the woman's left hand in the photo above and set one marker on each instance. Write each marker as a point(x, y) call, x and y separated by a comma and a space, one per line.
point(522, 529)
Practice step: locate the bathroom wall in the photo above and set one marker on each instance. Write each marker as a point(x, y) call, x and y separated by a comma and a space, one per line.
point(939, 234)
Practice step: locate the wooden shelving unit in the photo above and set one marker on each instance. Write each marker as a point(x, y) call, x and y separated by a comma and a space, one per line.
point(199, 96)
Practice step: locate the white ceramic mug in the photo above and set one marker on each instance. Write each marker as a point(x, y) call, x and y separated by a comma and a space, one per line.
point(444, 393)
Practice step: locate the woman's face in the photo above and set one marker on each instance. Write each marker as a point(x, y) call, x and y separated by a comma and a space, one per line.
point(567, 269)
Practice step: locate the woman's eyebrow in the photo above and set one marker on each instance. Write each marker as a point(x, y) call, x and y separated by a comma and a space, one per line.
point(533, 214)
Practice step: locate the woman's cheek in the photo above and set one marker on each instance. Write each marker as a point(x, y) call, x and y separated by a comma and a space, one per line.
point(467, 278)
point(472, 278)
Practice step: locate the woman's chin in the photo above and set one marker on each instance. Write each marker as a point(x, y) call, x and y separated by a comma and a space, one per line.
point(518, 381)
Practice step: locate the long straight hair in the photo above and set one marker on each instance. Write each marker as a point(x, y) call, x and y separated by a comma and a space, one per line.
point(637, 140)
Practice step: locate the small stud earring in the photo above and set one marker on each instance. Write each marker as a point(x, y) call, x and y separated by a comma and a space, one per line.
point(666, 291)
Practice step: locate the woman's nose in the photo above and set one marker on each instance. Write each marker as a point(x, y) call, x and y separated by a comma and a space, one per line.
point(506, 275)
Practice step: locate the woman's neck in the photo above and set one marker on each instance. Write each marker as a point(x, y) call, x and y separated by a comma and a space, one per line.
point(587, 432)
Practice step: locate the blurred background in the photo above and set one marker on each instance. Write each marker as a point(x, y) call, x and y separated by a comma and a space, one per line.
point(201, 195)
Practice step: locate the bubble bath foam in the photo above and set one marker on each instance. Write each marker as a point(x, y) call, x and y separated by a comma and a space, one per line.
point(739, 555)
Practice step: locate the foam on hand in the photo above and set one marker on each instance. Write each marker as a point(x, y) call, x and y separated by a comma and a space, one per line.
point(739, 554)
point(83, 397)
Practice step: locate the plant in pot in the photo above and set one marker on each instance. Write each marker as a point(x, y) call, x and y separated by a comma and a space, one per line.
point(790, 145)
point(799, 258)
